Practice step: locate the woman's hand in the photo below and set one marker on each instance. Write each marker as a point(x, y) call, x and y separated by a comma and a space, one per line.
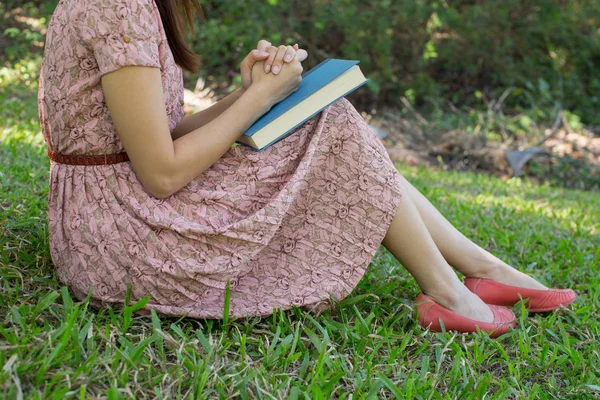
point(281, 54)
point(255, 55)
point(274, 88)
point(264, 51)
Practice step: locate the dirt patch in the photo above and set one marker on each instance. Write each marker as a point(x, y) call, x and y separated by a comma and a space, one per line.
point(562, 157)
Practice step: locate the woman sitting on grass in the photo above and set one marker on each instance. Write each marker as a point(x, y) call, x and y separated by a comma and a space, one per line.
point(142, 196)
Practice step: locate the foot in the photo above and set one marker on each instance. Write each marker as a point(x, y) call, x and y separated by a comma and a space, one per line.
point(435, 317)
point(463, 302)
point(493, 292)
point(507, 275)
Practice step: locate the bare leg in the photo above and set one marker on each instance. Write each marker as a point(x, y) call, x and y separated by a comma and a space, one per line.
point(462, 253)
point(411, 243)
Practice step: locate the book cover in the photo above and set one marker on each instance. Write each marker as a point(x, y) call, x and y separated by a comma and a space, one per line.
point(312, 81)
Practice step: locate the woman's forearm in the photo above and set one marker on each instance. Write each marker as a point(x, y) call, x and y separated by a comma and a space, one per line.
point(203, 146)
point(196, 120)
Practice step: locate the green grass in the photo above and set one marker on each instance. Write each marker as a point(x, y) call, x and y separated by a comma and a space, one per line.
point(370, 346)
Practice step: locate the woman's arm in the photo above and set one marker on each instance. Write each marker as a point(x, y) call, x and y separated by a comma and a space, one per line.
point(135, 99)
point(272, 56)
point(194, 121)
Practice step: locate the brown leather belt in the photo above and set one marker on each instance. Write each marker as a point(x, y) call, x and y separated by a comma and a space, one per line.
point(98, 159)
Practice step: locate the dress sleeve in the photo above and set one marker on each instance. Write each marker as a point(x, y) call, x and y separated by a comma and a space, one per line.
point(121, 33)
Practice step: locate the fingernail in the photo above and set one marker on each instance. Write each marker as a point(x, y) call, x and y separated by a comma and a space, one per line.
point(275, 69)
point(263, 53)
point(288, 57)
point(268, 68)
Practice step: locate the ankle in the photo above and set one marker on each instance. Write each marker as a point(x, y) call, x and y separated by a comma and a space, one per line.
point(487, 270)
point(446, 297)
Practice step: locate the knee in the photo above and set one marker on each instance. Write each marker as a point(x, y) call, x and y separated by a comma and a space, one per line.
point(342, 111)
point(342, 104)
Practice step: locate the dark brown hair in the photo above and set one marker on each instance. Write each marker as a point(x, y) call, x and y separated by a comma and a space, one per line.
point(172, 14)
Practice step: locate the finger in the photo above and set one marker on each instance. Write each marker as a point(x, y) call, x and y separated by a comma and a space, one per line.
point(258, 55)
point(278, 62)
point(272, 50)
point(302, 54)
point(252, 58)
point(296, 47)
point(289, 54)
point(263, 45)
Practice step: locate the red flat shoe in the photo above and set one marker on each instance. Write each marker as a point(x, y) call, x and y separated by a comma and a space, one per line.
point(430, 313)
point(493, 292)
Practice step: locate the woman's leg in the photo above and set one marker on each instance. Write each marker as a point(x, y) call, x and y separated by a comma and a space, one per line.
point(460, 252)
point(411, 243)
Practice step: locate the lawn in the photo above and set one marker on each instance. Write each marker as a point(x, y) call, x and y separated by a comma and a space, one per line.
point(370, 347)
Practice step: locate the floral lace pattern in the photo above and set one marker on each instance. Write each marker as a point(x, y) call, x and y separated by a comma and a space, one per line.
point(289, 226)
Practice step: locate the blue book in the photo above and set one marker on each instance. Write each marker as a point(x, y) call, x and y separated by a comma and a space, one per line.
point(322, 85)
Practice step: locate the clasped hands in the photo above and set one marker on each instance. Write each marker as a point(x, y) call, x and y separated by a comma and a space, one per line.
point(273, 57)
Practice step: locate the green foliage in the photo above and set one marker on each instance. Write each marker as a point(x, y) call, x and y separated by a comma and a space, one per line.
point(547, 51)
point(21, 36)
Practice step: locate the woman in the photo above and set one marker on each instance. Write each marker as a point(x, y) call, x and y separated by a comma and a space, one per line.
point(143, 197)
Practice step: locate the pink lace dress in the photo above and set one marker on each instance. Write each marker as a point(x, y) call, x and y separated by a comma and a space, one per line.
point(293, 225)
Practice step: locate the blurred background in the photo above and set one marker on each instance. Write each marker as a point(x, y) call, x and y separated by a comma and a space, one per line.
point(465, 95)
point(506, 87)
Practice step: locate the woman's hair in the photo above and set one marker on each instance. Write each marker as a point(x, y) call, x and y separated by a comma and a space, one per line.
point(172, 14)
